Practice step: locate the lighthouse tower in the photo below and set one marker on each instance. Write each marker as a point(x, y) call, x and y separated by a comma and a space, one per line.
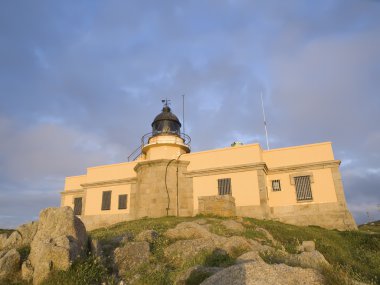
point(166, 140)
point(162, 187)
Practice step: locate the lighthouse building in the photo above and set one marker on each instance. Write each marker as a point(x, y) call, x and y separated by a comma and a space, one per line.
point(299, 185)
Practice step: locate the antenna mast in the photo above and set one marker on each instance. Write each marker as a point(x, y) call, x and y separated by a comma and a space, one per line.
point(183, 112)
point(265, 121)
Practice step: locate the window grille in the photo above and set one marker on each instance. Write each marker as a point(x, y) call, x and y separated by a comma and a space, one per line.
point(276, 185)
point(123, 201)
point(224, 186)
point(303, 188)
point(106, 200)
point(78, 206)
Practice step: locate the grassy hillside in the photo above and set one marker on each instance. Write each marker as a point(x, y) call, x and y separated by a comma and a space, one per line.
point(356, 253)
point(6, 231)
point(372, 227)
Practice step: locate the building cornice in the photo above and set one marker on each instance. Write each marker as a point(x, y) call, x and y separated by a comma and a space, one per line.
point(211, 171)
point(262, 166)
point(305, 166)
point(70, 192)
point(227, 169)
point(112, 182)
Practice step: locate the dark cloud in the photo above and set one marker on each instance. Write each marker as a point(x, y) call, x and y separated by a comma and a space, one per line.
point(80, 82)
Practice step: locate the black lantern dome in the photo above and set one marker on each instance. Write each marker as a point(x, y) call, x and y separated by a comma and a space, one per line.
point(166, 123)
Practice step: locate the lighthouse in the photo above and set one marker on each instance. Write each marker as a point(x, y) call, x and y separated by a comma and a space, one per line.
point(161, 187)
point(299, 185)
point(166, 140)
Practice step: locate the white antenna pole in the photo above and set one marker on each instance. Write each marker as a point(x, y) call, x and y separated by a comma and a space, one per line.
point(265, 121)
point(183, 112)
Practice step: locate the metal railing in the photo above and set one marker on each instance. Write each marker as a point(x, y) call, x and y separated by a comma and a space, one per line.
point(145, 140)
point(135, 154)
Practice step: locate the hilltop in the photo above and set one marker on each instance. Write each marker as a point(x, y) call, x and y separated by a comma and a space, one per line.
point(207, 249)
point(371, 227)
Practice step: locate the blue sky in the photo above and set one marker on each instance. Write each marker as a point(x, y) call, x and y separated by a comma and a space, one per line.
point(81, 81)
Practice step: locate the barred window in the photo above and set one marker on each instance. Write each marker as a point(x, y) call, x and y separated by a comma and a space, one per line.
point(276, 185)
point(224, 186)
point(303, 188)
point(123, 201)
point(78, 206)
point(106, 200)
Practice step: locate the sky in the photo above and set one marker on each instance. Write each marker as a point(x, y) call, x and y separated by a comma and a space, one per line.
point(81, 82)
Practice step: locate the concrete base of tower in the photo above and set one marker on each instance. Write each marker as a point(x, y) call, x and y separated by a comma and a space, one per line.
point(162, 189)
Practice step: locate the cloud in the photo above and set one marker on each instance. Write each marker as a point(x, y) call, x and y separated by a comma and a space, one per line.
point(34, 162)
point(80, 83)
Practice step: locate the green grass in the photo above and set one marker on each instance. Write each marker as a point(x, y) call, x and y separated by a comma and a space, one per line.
point(372, 227)
point(354, 254)
point(333, 275)
point(15, 280)
point(160, 270)
point(6, 231)
point(274, 257)
point(83, 272)
point(356, 251)
point(197, 278)
point(24, 252)
point(135, 227)
point(337, 275)
point(219, 258)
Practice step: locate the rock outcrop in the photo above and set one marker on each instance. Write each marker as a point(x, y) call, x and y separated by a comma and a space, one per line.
point(188, 230)
point(313, 259)
point(196, 239)
point(249, 268)
point(13, 241)
point(260, 273)
point(148, 235)
point(61, 238)
point(22, 236)
point(233, 226)
point(196, 272)
point(9, 263)
point(184, 250)
point(3, 239)
point(131, 256)
point(250, 256)
point(307, 246)
point(27, 271)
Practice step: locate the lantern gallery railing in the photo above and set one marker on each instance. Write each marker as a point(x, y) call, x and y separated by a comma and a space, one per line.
point(145, 140)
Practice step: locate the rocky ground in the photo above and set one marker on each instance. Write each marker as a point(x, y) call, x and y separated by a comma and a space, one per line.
point(197, 250)
point(34, 250)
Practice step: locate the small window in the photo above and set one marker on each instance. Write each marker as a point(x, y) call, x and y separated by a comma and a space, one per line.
point(106, 200)
point(224, 186)
point(123, 201)
point(78, 206)
point(303, 188)
point(276, 185)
